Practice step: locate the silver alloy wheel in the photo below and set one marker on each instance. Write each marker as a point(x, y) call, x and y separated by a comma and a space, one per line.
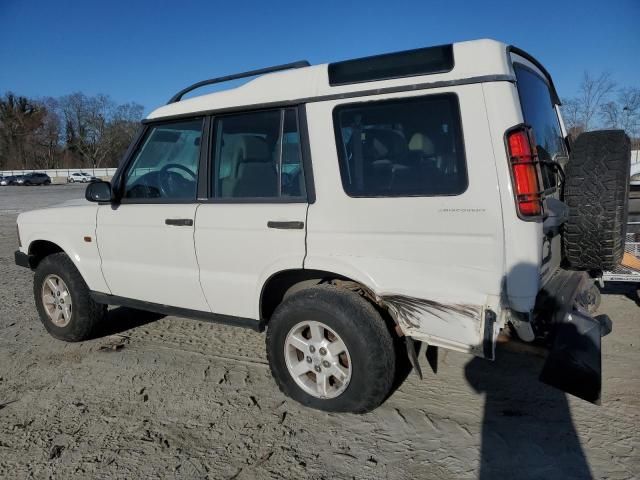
point(56, 299)
point(317, 359)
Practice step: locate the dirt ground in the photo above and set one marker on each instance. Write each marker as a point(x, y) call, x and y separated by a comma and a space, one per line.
point(176, 398)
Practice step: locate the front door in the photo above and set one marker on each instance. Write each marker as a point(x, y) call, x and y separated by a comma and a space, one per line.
point(146, 241)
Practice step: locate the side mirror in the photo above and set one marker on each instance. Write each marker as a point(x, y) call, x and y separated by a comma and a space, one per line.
point(99, 192)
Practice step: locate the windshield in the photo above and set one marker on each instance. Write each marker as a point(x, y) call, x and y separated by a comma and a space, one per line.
point(539, 112)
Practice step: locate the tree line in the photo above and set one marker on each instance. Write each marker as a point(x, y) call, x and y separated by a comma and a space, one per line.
point(73, 131)
point(80, 131)
point(601, 103)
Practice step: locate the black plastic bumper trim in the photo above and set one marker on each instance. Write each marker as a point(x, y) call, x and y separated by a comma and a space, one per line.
point(22, 259)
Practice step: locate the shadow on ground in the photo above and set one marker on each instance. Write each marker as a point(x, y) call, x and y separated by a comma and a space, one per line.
point(527, 429)
point(121, 319)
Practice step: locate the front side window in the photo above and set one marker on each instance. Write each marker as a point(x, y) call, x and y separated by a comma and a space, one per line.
point(165, 167)
point(257, 155)
point(539, 111)
point(396, 148)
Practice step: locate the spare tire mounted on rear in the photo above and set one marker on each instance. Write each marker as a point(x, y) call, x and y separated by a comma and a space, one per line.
point(597, 192)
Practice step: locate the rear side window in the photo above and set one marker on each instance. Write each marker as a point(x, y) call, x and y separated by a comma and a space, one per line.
point(257, 155)
point(397, 148)
point(539, 112)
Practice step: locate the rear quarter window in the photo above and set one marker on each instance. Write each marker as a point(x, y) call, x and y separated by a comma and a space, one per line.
point(400, 148)
point(539, 112)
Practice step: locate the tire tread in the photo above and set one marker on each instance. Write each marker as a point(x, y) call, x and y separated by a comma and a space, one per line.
point(597, 191)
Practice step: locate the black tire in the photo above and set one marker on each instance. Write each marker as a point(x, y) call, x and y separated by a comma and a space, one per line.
point(86, 314)
point(362, 329)
point(597, 192)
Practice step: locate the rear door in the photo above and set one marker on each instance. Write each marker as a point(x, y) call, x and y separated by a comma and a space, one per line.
point(540, 112)
point(252, 224)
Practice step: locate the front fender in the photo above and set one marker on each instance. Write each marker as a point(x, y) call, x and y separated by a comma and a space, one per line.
point(84, 257)
point(73, 230)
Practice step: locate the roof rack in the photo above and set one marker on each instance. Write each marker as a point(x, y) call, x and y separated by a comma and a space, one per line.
point(251, 73)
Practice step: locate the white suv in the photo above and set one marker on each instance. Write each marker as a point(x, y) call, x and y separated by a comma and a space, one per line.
point(80, 177)
point(352, 210)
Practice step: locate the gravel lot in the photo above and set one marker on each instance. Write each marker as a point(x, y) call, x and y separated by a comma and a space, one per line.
point(169, 397)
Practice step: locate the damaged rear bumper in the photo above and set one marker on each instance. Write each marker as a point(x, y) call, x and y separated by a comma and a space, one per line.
point(573, 336)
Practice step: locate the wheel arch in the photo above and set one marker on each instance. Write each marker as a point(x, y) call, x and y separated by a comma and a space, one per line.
point(285, 282)
point(39, 249)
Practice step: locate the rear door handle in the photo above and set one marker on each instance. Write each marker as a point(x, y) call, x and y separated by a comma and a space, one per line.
point(286, 225)
point(179, 222)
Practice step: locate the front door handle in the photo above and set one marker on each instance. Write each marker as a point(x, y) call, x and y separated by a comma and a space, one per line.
point(179, 222)
point(286, 225)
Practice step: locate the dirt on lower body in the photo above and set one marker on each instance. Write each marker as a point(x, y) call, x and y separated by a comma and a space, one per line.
point(170, 397)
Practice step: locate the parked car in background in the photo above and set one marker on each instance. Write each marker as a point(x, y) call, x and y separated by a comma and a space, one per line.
point(18, 180)
point(8, 180)
point(35, 178)
point(81, 177)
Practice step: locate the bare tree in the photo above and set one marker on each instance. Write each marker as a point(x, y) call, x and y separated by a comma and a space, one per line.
point(75, 130)
point(20, 118)
point(85, 123)
point(97, 128)
point(593, 92)
point(46, 146)
point(624, 113)
point(572, 117)
point(583, 110)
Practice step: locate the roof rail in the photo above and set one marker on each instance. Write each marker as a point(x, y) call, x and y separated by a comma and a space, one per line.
point(251, 73)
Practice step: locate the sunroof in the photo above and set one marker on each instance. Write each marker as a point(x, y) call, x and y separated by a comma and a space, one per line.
point(422, 61)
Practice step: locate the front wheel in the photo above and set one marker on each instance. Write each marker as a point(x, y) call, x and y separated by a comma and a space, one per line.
point(63, 300)
point(331, 350)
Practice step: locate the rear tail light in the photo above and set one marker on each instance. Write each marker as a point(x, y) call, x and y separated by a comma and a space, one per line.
point(525, 171)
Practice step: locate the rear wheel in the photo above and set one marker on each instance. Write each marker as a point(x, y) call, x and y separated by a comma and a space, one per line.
point(330, 349)
point(63, 300)
point(597, 191)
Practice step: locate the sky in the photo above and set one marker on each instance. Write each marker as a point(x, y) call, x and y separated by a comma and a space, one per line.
point(145, 51)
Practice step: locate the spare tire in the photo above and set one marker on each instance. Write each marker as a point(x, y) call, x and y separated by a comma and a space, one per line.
point(597, 191)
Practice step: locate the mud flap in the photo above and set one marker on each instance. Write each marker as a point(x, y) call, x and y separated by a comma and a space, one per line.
point(574, 361)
